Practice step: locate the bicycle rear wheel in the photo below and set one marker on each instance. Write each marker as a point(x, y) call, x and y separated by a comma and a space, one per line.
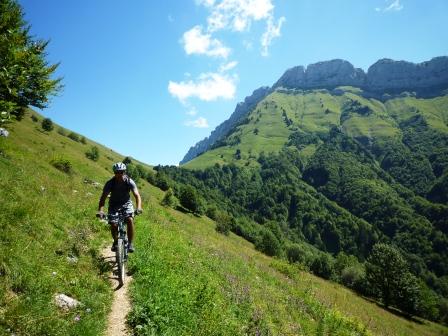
point(120, 260)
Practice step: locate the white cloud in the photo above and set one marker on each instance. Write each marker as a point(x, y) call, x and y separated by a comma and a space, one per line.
point(228, 66)
point(208, 87)
point(391, 6)
point(271, 32)
point(236, 15)
point(195, 42)
point(198, 123)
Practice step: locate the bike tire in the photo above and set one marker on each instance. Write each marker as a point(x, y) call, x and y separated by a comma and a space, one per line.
point(120, 261)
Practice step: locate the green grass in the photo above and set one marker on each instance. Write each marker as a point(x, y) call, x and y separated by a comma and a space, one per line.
point(315, 112)
point(191, 280)
point(48, 216)
point(188, 279)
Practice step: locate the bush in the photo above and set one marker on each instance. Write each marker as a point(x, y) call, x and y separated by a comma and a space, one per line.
point(74, 136)
point(169, 199)
point(62, 132)
point(190, 199)
point(151, 178)
point(34, 118)
point(93, 154)
point(212, 212)
point(83, 140)
point(224, 223)
point(47, 125)
point(352, 277)
point(323, 267)
point(269, 244)
point(295, 253)
point(161, 181)
point(62, 164)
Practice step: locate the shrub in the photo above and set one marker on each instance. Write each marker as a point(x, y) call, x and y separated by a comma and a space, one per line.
point(62, 132)
point(352, 277)
point(322, 266)
point(62, 164)
point(93, 154)
point(169, 199)
point(151, 178)
point(83, 140)
point(161, 181)
point(268, 244)
point(295, 253)
point(34, 118)
point(190, 199)
point(224, 223)
point(212, 212)
point(74, 136)
point(47, 125)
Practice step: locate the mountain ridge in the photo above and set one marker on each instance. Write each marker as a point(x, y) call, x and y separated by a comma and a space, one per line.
point(384, 79)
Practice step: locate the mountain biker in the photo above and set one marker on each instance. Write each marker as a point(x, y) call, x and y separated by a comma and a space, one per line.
point(119, 187)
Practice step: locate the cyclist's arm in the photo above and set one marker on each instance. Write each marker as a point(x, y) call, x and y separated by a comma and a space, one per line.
point(102, 201)
point(138, 199)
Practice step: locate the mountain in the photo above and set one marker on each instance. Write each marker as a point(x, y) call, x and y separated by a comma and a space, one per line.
point(240, 111)
point(341, 160)
point(188, 278)
point(383, 81)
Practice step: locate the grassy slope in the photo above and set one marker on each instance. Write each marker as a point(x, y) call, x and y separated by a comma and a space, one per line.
point(46, 217)
point(189, 280)
point(315, 112)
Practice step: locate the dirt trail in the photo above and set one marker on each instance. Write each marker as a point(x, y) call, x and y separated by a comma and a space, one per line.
point(121, 306)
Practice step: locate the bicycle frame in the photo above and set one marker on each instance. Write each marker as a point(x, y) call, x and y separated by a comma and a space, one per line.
point(121, 254)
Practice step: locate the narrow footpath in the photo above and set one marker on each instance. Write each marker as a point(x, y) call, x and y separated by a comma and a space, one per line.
point(121, 306)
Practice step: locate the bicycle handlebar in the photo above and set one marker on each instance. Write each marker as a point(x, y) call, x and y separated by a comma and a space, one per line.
point(102, 215)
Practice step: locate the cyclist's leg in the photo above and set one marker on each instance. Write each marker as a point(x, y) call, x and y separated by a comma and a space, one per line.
point(130, 221)
point(113, 226)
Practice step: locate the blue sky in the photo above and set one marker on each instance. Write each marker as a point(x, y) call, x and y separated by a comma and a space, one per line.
point(150, 78)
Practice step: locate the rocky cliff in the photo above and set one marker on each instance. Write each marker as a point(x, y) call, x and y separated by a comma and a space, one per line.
point(384, 76)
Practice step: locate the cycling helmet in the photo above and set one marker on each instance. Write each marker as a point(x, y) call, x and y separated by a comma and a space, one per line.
point(119, 166)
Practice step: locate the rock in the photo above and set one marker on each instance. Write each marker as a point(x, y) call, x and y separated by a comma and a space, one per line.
point(384, 75)
point(72, 260)
point(91, 182)
point(65, 302)
point(387, 74)
point(322, 75)
point(4, 132)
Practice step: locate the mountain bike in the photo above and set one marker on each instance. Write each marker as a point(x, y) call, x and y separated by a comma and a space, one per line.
point(121, 252)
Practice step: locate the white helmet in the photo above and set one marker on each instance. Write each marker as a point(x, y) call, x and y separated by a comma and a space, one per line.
point(119, 166)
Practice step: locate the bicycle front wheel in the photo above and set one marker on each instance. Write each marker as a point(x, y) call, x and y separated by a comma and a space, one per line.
point(120, 260)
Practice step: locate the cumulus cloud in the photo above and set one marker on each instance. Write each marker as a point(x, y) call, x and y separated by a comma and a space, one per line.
point(238, 15)
point(391, 6)
point(198, 123)
point(196, 42)
point(208, 87)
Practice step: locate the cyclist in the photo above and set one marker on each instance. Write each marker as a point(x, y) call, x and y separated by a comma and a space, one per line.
point(119, 187)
